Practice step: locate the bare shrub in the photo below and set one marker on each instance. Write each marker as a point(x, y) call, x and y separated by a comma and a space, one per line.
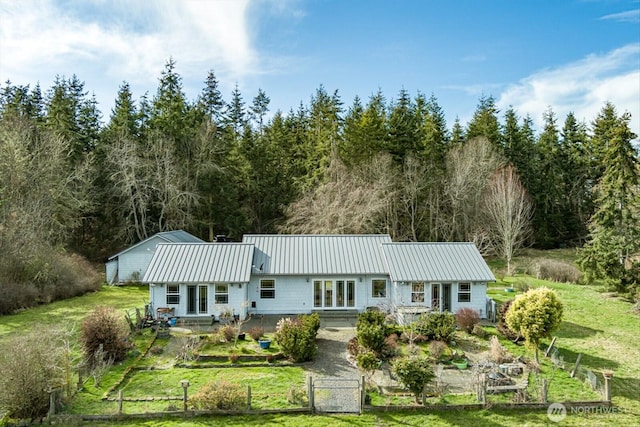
point(467, 318)
point(479, 331)
point(502, 326)
point(187, 346)
point(219, 395)
point(256, 333)
point(104, 336)
point(31, 368)
point(557, 271)
point(436, 349)
point(497, 352)
point(228, 332)
point(353, 347)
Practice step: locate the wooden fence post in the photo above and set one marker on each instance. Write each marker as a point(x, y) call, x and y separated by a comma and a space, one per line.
point(363, 393)
point(553, 341)
point(575, 367)
point(248, 398)
point(608, 376)
point(52, 403)
point(310, 392)
point(185, 385)
point(120, 398)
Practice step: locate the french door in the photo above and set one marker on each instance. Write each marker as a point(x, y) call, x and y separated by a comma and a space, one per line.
point(197, 299)
point(334, 293)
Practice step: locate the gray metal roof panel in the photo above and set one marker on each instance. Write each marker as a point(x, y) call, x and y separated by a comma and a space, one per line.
point(175, 236)
point(200, 263)
point(408, 262)
point(318, 254)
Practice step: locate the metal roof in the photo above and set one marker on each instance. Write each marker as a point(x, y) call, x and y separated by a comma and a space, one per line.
point(318, 254)
point(175, 236)
point(436, 262)
point(200, 263)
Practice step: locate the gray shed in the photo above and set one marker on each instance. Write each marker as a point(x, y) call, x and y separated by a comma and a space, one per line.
point(130, 264)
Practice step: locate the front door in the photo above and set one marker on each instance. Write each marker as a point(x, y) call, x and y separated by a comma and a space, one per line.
point(197, 299)
point(446, 297)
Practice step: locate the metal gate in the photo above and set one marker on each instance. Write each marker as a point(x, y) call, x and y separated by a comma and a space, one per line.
point(342, 395)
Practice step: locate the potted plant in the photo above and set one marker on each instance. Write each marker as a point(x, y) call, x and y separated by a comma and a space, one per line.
point(264, 343)
point(460, 363)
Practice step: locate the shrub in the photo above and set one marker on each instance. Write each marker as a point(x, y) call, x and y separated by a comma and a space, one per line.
point(437, 326)
point(436, 349)
point(32, 366)
point(229, 332)
point(390, 347)
point(156, 350)
point(502, 326)
point(297, 337)
point(353, 347)
point(535, 315)
point(467, 318)
point(219, 395)
point(368, 361)
point(557, 271)
point(497, 352)
point(414, 373)
point(371, 330)
point(297, 396)
point(256, 333)
point(233, 357)
point(106, 330)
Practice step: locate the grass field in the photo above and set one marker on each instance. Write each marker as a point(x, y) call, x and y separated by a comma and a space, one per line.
point(596, 324)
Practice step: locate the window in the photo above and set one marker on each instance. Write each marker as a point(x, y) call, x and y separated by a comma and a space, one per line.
point(464, 292)
point(222, 294)
point(379, 288)
point(267, 289)
point(173, 294)
point(417, 292)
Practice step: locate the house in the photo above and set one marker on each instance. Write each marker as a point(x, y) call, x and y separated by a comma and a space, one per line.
point(295, 274)
point(130, 264)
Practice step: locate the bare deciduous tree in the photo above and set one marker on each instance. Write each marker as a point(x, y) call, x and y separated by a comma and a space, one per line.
point(469, 168)
point(349, 202)
point(508, 212)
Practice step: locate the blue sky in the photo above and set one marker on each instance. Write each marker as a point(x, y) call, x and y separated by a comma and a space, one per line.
point(572, 55)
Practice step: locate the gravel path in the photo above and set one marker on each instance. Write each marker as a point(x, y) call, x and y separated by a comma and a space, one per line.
point(331, 359)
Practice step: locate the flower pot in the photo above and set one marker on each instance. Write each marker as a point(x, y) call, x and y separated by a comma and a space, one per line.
point(460, 364)
point(264, 344)
point(241, 336)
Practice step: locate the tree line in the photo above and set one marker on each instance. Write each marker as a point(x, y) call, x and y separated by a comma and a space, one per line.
point(71, 179)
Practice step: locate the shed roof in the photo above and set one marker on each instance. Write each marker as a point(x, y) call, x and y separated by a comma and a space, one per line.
point(318, 254)
point(436, 262)
point(200, 263)
point(175, 236)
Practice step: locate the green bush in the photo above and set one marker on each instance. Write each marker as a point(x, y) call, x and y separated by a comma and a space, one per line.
point(368, 361)
point(104, 332)
point(371, 330)
point(436, 326)
point(219, 395)
point(414, 373)
point(297, 337)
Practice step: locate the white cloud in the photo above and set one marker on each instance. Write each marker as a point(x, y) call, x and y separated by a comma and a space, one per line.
point(111, 41)
point(581, 87)
point(632, 16)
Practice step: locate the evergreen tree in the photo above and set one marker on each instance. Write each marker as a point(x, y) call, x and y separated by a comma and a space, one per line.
point(403, 126)
point(236, 115)
point(457, 134)
point(485, 122)
point(259, 108)
point(211, 99)
point(614, 228)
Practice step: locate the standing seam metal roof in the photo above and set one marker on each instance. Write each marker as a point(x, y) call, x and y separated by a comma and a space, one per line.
point(200, 263)
point(408, 262)
point(175, 236)
point(318, 254)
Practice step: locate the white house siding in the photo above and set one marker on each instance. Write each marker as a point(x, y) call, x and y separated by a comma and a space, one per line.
point(237, 298)
point(402, 296)
point(295, 294)
point(133, 263)
point(111, 268)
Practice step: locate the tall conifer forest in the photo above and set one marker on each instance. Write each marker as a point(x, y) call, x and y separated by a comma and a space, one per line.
point(77, 180)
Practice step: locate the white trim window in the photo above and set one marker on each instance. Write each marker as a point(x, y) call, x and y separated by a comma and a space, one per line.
point(379, 288)
point(464, 292)
point(222, 293)
point(417, 292)
point(267, 289)
point(173, 294)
